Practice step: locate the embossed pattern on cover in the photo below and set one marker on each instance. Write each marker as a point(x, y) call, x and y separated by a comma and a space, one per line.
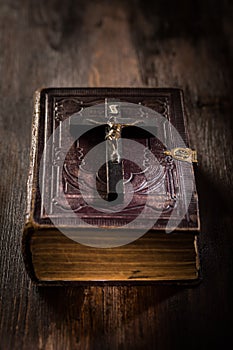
point(163, 186)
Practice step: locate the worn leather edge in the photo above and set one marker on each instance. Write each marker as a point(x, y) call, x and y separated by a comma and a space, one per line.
point(194, 165)
point(30, 225)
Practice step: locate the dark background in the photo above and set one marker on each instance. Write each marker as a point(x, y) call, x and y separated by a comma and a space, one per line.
point(186, 44)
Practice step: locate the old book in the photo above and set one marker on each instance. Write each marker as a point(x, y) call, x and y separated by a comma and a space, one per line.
point(133, 218)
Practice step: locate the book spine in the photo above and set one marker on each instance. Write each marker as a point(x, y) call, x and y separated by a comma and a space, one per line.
point(28, 226)
point(33, 152)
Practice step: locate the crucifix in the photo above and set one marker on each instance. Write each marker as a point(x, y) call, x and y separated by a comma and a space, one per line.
point(116, 128)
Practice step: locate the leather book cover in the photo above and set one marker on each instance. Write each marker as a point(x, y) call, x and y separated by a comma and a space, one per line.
point(96, 147)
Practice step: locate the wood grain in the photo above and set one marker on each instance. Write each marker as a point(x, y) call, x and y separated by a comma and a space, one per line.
point(183, 44)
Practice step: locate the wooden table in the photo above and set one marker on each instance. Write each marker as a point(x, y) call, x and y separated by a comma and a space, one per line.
point(186, 44)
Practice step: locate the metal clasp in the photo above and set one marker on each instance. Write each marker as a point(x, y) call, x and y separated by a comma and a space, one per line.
point(183, 154)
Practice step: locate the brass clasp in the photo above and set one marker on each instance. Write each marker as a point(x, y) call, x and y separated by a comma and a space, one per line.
point(183, 154)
